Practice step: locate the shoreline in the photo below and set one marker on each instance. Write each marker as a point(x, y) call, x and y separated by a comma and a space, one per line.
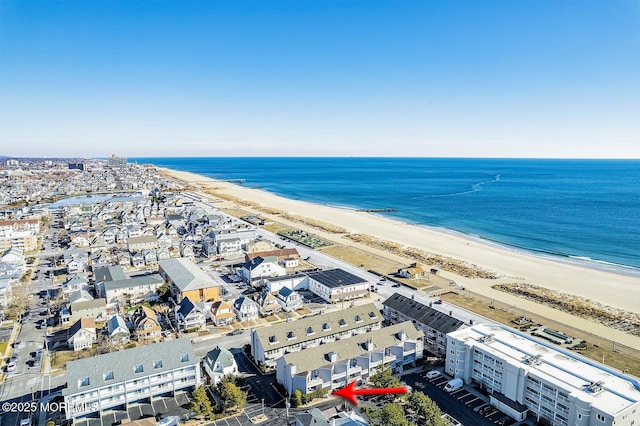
point(614, 289)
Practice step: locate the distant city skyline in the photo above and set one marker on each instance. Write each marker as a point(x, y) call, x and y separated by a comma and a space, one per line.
point(539, 79)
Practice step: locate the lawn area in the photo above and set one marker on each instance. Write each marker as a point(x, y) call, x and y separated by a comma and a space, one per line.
point(359, 257)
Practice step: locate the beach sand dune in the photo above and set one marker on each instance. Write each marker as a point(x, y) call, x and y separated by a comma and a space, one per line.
point(616, 290)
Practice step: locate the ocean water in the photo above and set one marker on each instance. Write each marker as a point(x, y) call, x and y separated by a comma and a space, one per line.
point(582, 211)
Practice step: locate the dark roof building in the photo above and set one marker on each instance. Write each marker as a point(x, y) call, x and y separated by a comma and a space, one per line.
point(434, 324)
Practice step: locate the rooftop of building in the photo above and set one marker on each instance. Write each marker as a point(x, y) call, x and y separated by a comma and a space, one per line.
point(603, 387)
point(351, 347)
point(335, 278)
point(423, 313)
point(304, 329)
point(108, 369)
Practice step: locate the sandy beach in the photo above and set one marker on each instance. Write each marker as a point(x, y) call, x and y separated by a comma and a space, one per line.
point(615, 290)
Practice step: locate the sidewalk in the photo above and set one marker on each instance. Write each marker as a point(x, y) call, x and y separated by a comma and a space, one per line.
point(9, 349)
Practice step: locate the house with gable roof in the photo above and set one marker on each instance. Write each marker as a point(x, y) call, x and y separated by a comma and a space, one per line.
point(218, 363)
point(190, 316)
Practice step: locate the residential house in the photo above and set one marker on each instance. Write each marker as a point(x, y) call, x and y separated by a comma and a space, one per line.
point(75, 283)
point(145, 324)
point(79, 241)
point(268, 304)
point(218, 363)
point(118, 331)
point(76, 260)
point(245, 309)
point(312, 417)
point(335, 285)
point(355, 358)
point(82, 334)
point(222, 313)
point(271, 343)
point(289, 300)
point(415, 270)
point(260, 268)
point(150, 257)
point(188, 280)
point(110, 383)
point(96, 309)
point(189, 316)
point(137, 260)
point(434, 324)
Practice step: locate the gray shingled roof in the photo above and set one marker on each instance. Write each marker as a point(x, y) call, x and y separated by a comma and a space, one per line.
point(224, 356)
point(186, 275)
point(316, 357)
point(109, 273)
point(122, 364)
point(423, 313)
point(334, 278)
point(133, 282)
point(368, 314)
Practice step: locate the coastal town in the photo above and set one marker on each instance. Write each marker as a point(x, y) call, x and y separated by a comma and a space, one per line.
point(131, 296)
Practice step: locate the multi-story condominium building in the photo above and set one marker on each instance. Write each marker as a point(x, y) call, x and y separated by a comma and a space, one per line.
point(188, 280)
point(142, 242)
point(434, 324)
point(557, 386)
point(134, 289)
point(118, 381)
point(334, 365)
point(116, 162)
point(32, 225)
point(271, 343)
point(335, 285)
point(24, 240)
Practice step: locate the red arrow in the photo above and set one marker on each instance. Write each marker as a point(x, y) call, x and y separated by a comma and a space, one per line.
point(350, 392)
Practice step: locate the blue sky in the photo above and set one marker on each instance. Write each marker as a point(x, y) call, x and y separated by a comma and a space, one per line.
point(332, 78)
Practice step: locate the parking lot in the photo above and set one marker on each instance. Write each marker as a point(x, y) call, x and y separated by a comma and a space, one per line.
point(461, 404)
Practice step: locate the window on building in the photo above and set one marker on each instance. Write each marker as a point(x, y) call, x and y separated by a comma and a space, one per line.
point(273, 339)
point(157, 364)
point(326, 326)
point(372, 315)
point(600, 417)
point(138, 369)
point(108, 375)
point(342, 322)
point(291, 335)
point(184, 358)
point(357, 318)
point(310, 331)
point(84, 382)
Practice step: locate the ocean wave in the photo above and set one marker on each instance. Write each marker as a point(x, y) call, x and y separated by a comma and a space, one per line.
point(474, 188)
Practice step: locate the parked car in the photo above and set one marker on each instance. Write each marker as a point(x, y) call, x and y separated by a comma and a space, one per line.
point(235, 332)
point(453, 385)
point(433, 374)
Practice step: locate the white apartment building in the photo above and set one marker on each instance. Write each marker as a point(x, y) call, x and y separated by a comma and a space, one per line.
point(334, 365)
point(335, 285)
point(556, 386)
point(120, 380)
point(268, 344)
